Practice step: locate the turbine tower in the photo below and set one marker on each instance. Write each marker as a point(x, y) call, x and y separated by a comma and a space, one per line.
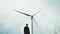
point(31, 18)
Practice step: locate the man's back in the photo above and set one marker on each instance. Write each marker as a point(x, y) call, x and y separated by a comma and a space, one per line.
point(26, 30)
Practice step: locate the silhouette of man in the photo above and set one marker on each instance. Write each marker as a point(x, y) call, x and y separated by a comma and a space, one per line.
point(26, 29)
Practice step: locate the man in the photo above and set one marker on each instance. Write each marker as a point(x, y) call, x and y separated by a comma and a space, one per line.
point(26, 29)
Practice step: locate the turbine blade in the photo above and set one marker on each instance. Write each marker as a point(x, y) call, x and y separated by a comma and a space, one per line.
point(22, 13)
point(36, 13)
point(36, 24)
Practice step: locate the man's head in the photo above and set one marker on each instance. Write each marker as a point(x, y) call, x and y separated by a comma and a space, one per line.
point(27, 25)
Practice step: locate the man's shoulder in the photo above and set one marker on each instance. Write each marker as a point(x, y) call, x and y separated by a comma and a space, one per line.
point(26, 27)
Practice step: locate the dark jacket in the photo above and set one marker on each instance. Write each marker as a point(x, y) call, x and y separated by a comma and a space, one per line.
point(26, 30)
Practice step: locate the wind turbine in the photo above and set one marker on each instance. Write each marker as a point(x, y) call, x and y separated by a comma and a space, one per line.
point(32, 16)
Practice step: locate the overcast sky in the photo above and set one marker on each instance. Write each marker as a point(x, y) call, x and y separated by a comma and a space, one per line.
point(48, 19)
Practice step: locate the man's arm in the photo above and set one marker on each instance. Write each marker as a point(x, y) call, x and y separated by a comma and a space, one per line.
point(24, 30)
point(29, 31)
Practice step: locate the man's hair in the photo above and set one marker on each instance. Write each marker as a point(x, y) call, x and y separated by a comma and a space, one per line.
point(26, 24)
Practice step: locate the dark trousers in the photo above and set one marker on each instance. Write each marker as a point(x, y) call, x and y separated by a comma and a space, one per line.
point(25, 33)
